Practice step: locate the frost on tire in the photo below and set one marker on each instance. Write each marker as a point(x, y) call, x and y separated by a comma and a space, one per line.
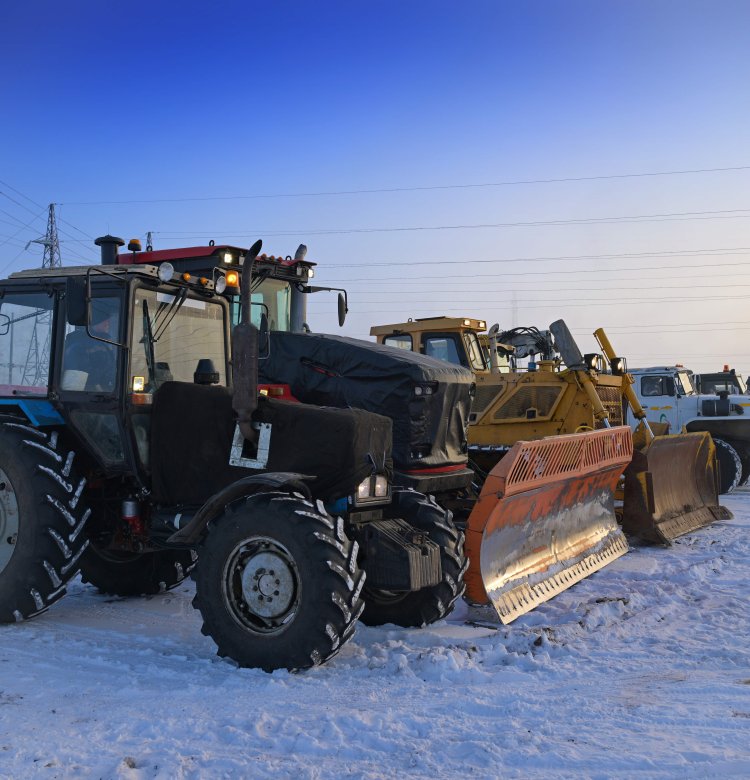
point(277, 583)
point(42, 519)
point(730, 466)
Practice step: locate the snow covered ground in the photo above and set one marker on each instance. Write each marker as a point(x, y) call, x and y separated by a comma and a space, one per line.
point(642, 670)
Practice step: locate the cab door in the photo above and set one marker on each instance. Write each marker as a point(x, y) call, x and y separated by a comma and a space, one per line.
point(658, 398)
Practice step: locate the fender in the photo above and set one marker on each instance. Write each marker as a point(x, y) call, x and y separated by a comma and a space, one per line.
point(246, 486)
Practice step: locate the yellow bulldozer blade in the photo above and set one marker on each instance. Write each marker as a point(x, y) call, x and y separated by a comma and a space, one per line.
point(545, 519)
point(672, 488)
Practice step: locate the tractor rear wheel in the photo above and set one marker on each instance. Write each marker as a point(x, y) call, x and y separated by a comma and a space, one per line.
point(135, 574)
point(277, 583)
point(42, 516)
point(428, 605)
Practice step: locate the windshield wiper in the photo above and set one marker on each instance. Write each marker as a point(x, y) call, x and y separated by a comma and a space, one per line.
point(148, 345)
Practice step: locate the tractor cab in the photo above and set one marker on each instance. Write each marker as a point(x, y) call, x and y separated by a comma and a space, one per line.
point(89, 347)
point(453, 339)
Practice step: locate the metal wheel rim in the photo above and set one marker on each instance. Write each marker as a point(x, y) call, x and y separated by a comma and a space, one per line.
point(9, 524)
point(262, 585)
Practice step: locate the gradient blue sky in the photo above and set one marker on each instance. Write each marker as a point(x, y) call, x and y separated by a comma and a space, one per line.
point(175, 103)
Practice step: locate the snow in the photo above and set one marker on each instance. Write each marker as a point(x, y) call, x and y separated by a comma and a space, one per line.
point(642, 670)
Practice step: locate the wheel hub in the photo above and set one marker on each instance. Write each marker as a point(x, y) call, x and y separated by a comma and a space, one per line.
point(8, 520)
point(262, 585)
point(267, 584)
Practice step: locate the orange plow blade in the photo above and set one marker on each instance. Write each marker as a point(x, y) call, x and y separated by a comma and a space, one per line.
point(672, 488)
point(545, 519)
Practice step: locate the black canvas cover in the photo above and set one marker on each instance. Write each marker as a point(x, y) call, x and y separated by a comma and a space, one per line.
point(429, 430)
point(191, 437)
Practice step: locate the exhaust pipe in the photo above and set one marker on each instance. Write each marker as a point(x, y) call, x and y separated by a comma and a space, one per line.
point(109, 246)
point(245, 355)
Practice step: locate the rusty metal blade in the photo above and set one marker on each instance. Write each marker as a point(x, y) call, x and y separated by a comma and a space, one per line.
point(672, 488)
point(545, 519)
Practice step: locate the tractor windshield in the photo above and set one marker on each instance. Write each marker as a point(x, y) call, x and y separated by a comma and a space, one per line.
point(171, 333)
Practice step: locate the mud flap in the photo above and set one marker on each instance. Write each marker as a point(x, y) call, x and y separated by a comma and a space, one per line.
point(545, 519)
point(672, 488)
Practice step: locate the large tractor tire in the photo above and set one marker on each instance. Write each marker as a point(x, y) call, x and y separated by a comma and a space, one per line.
point(42, 517)
point(277, 583)
point(135, 574)
point(428, 605)
point(730, 466)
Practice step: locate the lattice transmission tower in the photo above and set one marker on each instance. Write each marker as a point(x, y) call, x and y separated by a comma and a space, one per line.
point(36, 368)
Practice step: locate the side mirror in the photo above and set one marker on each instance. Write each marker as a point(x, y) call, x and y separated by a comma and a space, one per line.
point(76, 303)
point(343, 309)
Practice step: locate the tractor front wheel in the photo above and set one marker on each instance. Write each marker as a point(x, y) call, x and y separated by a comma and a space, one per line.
point(277, 583)
point(427, 605)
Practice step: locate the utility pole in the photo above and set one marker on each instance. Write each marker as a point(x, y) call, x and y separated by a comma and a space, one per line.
point(36, 368)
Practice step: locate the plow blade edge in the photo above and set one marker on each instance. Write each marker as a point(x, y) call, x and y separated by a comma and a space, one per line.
point(672, 488)
point(545, 519)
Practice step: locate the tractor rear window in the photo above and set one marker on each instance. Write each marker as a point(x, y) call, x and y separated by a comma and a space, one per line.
point(400, 341)
point(25, 337)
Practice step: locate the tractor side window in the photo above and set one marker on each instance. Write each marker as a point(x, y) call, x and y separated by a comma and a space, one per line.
point(25, 337)
point(656, 385)
point(475, 352)
point(274, 299)
point(443, 347)
point(88, 364)
point(400, 341)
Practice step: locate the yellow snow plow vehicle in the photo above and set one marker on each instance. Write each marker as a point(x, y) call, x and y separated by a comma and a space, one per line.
point(670, 486)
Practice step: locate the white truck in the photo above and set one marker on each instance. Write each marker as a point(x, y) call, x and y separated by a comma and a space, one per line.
point(668, 395)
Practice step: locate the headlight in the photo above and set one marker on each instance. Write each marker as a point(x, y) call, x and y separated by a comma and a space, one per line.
point(381, 486)
point(427, 388)
point(363, 489)
point(166, 272)
point(221, 284)
point(374, 489)
point(619, 366)
point(591, 359)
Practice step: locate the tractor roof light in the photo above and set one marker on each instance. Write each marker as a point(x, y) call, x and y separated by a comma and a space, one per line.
point(166, 272)
point(228, 257)
point(221, 284)
point(619, 366)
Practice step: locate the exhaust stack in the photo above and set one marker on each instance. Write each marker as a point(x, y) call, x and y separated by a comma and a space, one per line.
point(109, 246)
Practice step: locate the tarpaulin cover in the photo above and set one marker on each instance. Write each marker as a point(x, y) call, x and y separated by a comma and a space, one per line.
point(429, 430)
point(191, 437)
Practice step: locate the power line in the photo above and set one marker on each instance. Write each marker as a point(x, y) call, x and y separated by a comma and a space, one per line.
point(677, 216)
point(424, 188)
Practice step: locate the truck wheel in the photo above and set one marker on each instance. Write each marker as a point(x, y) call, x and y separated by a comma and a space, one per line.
point(744, 454)
point(121, 573)
point(42, 516)
point(425, 606)
point(730, 466)
point(277, 583)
